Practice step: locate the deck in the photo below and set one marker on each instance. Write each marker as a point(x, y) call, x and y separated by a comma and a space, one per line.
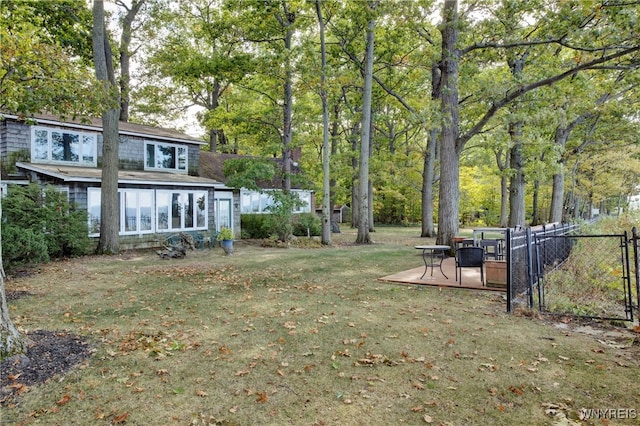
point(470, 277)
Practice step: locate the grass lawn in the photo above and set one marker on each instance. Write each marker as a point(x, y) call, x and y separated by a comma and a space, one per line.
point(273, 336)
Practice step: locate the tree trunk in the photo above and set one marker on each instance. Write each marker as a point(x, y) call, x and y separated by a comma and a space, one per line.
point(428, 171)
point(449, 204)
point(125, 57)
point(365, 141)
point(503, 166)
point(288, 101)
point(109, 213)
point(326, 187)
point(517, 183)
point(536, 217)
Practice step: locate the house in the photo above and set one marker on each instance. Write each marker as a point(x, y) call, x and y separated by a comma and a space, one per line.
point(161, 192)
point(254, 202)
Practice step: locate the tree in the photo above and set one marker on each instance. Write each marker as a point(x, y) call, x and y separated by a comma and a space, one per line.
point(37, 73)
point(619, 48)
point(326, 195)
point(109, 210)
point(365, 135)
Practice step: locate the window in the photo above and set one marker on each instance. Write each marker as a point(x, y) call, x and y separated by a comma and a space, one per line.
point(63, 147)
point(181, 210)
point(173, 211)
point(259, 202)
point(165, 157)
point(136, 211)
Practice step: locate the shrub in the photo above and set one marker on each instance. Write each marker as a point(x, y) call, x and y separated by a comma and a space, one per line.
point(307, 224)
point(42, 218)
point(22, 246)
point(255, 226)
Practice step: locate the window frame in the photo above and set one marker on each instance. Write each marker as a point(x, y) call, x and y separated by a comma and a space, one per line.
point(87, 147)
point(178, 166)
point(197, 199)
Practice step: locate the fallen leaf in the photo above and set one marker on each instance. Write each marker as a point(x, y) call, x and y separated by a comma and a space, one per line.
point(516, 390)
point(64, 400)
point(427, 418)
point(262, 397)
point(122, 418)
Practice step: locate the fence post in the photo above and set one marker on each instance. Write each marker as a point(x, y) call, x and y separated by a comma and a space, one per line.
point(530, 267)
point(636, 261)
point(507, 241)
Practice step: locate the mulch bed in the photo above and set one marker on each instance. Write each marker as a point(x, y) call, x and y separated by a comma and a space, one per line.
point(51, 353)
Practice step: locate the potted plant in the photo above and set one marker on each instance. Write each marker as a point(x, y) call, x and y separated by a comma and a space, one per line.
point(225, 236)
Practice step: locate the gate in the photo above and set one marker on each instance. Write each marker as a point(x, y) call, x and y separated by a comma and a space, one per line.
point(557, 270)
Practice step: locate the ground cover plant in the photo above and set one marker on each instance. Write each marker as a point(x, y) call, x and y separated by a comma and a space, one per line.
point(306, 336)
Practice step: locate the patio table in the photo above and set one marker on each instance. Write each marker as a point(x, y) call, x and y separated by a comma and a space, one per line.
point(430, 253)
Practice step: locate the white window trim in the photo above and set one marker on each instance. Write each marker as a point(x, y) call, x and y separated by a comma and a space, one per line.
point(182, 217)
point(154, 207)
point(121, 194)
point(177, 168)
point(49, 160)
point(244, 193)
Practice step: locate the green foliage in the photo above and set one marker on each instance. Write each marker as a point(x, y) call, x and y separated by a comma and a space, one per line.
point(22, 246)
point(225, 234)
point(280, 219)
point(307, 224)
point(590, 281)
point(248, 172)
point(255, 226)
point(44, 56)
point(44, 222)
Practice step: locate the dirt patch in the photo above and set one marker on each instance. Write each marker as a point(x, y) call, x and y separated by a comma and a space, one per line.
point(16, 294)
point(51, 353)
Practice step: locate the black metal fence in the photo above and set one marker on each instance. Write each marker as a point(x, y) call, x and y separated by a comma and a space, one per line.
point(556, 269)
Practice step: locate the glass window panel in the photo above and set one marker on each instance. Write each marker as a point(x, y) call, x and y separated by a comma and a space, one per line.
point(201, 210)
point(65, 147)
point(255, 202)
point(162, 203)
point(93, 209)
point(88, 149)
point(182, 158)
point(165, 157)
point(188, 211)
point(224, 214)
point(176, 211)
point(146, 209)
point(130, 211)
point(41, 145)
point(266, 201)
point(151, 155)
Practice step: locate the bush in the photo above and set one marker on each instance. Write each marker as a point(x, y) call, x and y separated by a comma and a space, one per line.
point(255, 226)
point(307, 224)
point(22, 246)
point(37, 220)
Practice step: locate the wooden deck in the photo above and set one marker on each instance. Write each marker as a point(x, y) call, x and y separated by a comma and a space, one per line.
point(470, 277)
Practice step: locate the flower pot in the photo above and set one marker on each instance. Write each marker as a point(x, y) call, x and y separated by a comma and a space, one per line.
point(496, 271)
point(227, 246)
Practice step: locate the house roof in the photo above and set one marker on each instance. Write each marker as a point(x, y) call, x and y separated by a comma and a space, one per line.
point(211, 166)
point(125, 128)
point(94, 175)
